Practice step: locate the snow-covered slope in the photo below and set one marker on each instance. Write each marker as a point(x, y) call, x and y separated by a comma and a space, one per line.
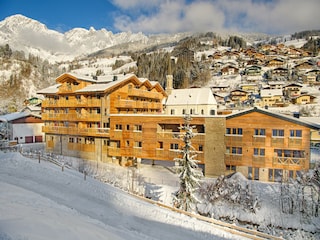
point(39, 201)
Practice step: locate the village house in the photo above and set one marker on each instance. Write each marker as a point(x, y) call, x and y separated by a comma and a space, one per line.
point(229, 70)
point(21, 127)
point(275, 62)
point(303, 99)
point(271, 98)
point(292, 90)
point(238, 96)
point(311, 77)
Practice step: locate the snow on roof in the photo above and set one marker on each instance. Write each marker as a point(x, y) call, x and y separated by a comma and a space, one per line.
point(13, 116)
point(191, 96)
point(50, 90)
point(270, 92)
point(99, 87)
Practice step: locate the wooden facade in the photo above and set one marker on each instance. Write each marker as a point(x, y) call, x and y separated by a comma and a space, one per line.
point(267, 146)
point(122, 121)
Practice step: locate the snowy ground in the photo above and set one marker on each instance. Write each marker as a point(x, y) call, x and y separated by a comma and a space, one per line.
point(39, 201)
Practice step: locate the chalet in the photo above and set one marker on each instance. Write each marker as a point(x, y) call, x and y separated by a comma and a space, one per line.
point(303, 99)
point(311, 77)
point(229, 70)
point(122, 119)
point(267, 146)
point(276, 84)
point(292, 90)
point(303, 67)
point(238, 96)
point(253, 70)
point(280, 72)
point(275, 62)
point(21, 127)
point(249, 87)
point(220, 88)
point(271, 97)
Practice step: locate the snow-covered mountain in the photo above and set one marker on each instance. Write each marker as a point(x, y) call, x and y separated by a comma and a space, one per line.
point(31, 36)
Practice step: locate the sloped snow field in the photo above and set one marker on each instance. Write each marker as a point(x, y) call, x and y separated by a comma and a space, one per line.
point(40, 201)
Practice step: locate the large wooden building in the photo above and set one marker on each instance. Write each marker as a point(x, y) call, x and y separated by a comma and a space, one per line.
point(121, 119)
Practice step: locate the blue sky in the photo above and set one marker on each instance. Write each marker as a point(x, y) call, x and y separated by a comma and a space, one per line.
point(170, 16)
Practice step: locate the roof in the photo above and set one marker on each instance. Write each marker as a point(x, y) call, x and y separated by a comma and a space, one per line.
point(191, 96)
point(16, 115)
point(270, 92)
point(312, 125)
point(50, 90)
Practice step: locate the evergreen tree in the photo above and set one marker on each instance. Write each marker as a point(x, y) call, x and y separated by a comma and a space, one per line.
point(189, 173)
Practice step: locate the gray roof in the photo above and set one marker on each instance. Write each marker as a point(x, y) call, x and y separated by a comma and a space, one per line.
point(50, 90)
point(16, 115)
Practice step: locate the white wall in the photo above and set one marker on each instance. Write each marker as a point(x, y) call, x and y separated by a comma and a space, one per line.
point(21, 130)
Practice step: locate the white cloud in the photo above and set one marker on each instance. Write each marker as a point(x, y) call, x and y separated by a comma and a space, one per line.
point(269, 16)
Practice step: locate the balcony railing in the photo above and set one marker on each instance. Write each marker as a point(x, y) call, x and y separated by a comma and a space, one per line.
point(138, 104)
point(144, 94)
point(103, 132)
point(233, 159)
point(293, 161)
point(77, 117)
point(295, 142)
point(91, 102)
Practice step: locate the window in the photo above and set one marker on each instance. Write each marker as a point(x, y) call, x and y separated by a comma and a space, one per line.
point(277, 132)
point(172, 111)
point(89, 140)
point(259, 152)
point(174, 146)
point(118, 127)
point(71, 140)
point(138, 128)
point(128, 127)
point(296, 133)
point(138, 144)
point(160, 145)
point(200, 147)
point(236, 150)
point(259, 132)
point(183, 111)
point(234, 131)
point(212, 112)
point(127, 143)
point(289, 153)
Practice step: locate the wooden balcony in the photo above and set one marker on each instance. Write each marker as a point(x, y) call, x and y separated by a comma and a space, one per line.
point(233, 159)
point(258, 161)
point(233, 139)
point(81, 147)
point(72, 117)
point(144, 94)
point(258, 141)
point(99, 132)
point(131, 104)
point(277, 142)
point(91, 102)
point(114, 151)
point(289, 161)
point(295, 142)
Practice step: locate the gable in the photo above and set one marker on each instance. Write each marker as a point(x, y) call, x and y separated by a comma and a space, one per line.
point(247, 116)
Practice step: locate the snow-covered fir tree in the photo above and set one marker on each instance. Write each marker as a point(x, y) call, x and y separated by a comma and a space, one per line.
point(189, 172)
